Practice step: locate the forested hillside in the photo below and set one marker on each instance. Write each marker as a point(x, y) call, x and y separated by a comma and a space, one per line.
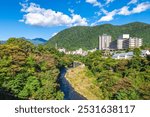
point(28, 72)
point(121, 79)
point(87, 37)
point(115, 79)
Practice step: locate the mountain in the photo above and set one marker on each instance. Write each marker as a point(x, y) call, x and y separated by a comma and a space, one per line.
point(37, 41)
point(86, 37)
point(2, 42)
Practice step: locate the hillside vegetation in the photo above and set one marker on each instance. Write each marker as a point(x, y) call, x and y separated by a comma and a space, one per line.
point(87, 37)
point(110, 79)
point(83, 82)
point(28, 71)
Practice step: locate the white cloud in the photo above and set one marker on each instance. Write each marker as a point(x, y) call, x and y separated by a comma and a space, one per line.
point(141, 7)
point(124, 11)
point(133, 2)
point(94, 3)
point(54, 34)
point(37, 16)
point(138, 9)
point(94, 24)
point(109, 1)
point(78, 20)
point(109, 16)
point(71, 10)
point(104, 11)
point(98, 13)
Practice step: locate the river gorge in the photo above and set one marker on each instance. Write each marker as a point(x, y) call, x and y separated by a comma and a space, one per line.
point(66, 88)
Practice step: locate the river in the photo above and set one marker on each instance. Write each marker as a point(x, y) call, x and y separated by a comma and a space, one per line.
point(66, 88)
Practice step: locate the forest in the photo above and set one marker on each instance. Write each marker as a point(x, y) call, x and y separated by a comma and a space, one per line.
point(119, 79)
point(31, 72)
point(28, 71)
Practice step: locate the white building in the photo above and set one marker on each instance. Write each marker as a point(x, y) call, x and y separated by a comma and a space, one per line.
point(125, 41)
point(104, 42)
point(62, 50)
point(135, 42)
point(144, 53)
point(125, 36)
point(129, 55)
point(120, 44)
point(77, 52)
point(93, 50)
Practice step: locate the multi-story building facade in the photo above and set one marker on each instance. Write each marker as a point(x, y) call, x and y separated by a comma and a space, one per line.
point(135, 42)
point(125, 41)
point(120, 44)
point(122, 41)
point(104, 42)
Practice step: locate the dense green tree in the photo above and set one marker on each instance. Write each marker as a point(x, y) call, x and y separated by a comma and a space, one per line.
point(121, 79)
point(28, 71)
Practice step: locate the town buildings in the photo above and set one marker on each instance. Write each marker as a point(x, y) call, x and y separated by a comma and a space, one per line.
point(123, 42)
point(129, 55)
point(105, 43)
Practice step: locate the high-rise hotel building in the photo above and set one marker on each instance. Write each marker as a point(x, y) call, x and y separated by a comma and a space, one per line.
point(125, 41)
point(104, 42)
point(122, 41)
point(135, 42)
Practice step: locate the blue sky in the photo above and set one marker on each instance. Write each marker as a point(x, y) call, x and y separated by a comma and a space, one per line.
point(45, 18)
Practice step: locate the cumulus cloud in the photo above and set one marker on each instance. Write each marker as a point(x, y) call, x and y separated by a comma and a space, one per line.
point(71, 10)
point(104, 11)
point(37, 16)
point(109, 16)
point(109, 1)
point(54, 34)
point(133, 2)
point(98, 13)
point(138, 9)
point(94, 3)
point(141, 7)
point(125, 11)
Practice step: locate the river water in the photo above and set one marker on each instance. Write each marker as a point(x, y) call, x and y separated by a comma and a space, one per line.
point(66, 88)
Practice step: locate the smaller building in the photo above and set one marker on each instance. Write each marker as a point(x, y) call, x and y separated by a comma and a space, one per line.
point(145, 53)
point(62, 50)
point(129, 55)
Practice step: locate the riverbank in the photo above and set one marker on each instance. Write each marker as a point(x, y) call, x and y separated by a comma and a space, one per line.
point(83, 83)
point(67, 89)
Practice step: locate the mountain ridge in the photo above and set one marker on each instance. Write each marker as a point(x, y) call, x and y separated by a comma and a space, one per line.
point(86, 37)
point(35, 41)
